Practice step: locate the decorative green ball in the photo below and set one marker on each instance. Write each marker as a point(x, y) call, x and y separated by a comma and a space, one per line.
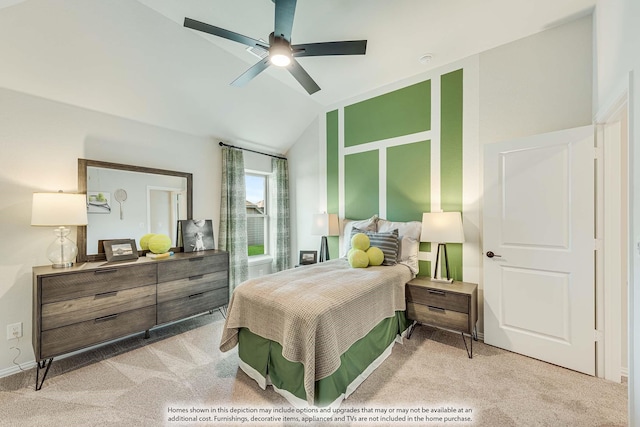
point(159, 244)
point(144, 241)
point(376, 256)
point(358, 259)
point(360, 241)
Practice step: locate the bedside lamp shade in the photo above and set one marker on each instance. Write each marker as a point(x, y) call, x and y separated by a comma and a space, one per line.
point(324, 225)
point(442, 228)
point(59, 210)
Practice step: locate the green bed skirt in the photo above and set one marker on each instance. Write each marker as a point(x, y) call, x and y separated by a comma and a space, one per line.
point(265, 357)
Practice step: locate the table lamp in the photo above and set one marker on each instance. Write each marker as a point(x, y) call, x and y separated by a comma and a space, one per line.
point(60, 210)
point(324, 225)
point(442, 228)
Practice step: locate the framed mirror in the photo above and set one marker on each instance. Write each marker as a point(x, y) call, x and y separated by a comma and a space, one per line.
point(127, 202)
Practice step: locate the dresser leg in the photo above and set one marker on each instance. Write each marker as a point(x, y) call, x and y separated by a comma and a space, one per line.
point(41, 365)
point(411, 328)
point(469, 351)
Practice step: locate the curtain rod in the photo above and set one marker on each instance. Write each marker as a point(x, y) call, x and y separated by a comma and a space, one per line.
point(222, 144)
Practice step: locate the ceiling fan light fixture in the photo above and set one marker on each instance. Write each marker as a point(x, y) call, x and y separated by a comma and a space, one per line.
point(280, 60)
point(280, 54)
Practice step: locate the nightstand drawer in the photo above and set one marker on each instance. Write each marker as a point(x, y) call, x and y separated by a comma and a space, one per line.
point(438, 298)
point(438, 317)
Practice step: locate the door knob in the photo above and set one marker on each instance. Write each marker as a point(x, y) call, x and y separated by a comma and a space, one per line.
point(491, 255)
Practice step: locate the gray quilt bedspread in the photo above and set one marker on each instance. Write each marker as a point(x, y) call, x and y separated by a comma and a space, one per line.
point(316, 312)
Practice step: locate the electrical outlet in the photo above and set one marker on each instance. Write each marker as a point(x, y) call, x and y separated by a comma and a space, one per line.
point(14, 331)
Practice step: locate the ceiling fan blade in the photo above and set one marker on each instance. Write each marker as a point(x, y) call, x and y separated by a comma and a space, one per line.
point(251, 73)
point(221, 32)
point(302, 77)
point(355, 47)
point(285, 10)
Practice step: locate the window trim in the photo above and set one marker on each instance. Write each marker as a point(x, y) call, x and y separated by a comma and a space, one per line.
point(265, 215)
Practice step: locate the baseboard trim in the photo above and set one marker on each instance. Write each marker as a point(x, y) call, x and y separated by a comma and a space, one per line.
point(12, 370)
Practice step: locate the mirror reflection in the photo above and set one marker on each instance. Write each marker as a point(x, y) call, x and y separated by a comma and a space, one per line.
point(127, 202)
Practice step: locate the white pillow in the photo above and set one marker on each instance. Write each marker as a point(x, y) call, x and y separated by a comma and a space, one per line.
point(409, 236)
point(348, 224)
point(411, 229)
point(408, 253)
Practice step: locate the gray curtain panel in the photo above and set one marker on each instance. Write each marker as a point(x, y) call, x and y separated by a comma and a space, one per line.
point(279, 214)
point(233, 216)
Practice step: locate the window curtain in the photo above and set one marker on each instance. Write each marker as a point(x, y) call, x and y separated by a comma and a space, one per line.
point(233, 216)
point(279, 215)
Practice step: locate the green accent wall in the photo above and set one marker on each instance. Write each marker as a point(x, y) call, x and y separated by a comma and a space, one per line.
point(409, 181)
point(451, 106)
point(361, 185)
point(409, 187)
point(332, 176)
point(407, 167)
point(401, 112)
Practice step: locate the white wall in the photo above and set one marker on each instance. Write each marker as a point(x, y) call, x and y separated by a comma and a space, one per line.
point(305, 193)
point(538, 84)
point(618, 67)
point(40, 143)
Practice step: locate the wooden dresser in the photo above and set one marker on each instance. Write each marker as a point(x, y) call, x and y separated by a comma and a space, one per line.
point(92, 303)
point(452, 306)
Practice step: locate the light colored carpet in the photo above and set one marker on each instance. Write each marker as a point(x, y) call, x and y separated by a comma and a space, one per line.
point(135, 381)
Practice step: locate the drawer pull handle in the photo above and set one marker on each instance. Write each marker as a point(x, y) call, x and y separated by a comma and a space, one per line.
point(196, 295)
point(196, 259)
point(199, 276)
point(438, 309)
point(106, 270)
point(106, 295)
point(432, 291)
point(106, 318)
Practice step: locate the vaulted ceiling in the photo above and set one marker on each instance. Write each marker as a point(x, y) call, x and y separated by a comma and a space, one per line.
point(134, 58)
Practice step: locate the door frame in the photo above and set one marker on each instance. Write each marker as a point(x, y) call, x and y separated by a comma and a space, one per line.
point(612, 153)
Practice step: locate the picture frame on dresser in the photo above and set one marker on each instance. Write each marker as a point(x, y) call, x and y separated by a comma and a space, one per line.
point(120, 250)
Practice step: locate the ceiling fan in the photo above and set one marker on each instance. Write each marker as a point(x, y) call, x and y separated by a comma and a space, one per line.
point(281, 52)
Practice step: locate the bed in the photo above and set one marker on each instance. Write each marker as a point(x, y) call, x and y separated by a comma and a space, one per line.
point(316, 332)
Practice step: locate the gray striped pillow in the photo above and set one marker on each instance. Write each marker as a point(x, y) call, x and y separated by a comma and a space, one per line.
point(387, 242)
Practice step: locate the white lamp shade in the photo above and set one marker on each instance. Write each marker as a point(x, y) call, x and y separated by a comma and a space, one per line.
point(57, 209)
point(325, 225)
point(442, 227)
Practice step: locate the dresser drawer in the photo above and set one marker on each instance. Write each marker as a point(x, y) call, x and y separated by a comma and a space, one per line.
point(439, 317)
point(69, 338)
point(438, 298)
point(89, 283)
point(67, 312)
point(192, 285)
point(192, 304)
point(192, 266)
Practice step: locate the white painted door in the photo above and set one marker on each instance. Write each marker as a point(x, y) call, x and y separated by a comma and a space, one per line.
point(539, 223)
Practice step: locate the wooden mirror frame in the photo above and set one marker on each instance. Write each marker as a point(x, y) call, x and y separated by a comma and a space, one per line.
point(83, 164)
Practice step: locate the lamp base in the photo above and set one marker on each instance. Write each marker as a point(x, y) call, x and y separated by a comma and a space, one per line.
point(62, 265)
point(441, 280)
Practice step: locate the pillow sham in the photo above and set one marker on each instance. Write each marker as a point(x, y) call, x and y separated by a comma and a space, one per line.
point(348, 224)
point(386, 242)
point(409, 245)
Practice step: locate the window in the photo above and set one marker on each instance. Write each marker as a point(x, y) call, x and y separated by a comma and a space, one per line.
point(257, 218)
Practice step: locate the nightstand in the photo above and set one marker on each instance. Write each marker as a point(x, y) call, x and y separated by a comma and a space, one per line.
point(451, 306)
